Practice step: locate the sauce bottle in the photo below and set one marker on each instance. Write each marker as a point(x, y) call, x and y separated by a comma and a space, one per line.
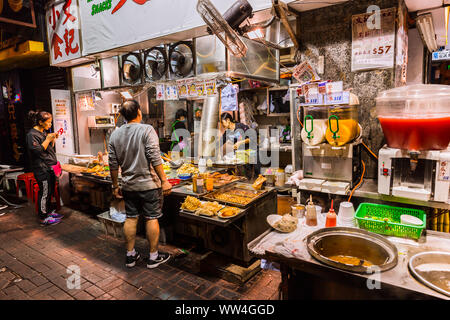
point(311, 213)
point(331, 217)
point(200, 184)
point(194, 183)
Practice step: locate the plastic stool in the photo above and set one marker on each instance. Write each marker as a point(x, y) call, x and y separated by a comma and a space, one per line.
point(26, 177)
point(12, 176)
point(55, 196)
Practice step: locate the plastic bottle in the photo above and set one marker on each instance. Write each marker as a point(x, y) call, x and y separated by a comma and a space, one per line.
point(311, 213)
point(331, 217)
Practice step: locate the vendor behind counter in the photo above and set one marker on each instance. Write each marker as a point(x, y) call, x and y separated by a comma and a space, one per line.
point(235, 133)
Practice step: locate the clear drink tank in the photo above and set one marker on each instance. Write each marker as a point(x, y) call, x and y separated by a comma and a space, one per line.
point(416, 117)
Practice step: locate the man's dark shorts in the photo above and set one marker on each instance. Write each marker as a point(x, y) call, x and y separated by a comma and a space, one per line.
point(147, 203)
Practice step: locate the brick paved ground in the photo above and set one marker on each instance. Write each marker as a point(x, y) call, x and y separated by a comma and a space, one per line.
point(34, 261)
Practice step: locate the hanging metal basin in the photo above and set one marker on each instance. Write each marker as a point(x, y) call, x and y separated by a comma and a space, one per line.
point(340, 247)
point(432, 269)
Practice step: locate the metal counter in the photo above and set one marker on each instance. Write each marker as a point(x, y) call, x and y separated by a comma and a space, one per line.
point(309, 279)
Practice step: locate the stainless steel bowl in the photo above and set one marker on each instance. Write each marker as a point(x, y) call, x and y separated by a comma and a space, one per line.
point(352, 242)
point(432, 269)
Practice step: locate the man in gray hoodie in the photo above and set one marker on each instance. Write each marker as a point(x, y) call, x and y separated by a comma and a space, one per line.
point(134, 147)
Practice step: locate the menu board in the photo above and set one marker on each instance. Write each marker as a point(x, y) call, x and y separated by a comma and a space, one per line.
point(171, 92)
point(160, 91)
point(210, 86)
point(200, 85)
point(62, 121)
point(372, 47)
point(192, 89)
point(86, 102)
point(182, 89)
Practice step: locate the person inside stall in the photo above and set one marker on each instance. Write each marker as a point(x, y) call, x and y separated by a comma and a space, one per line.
point(178, 143)
point(235, 133)
point(44, 165)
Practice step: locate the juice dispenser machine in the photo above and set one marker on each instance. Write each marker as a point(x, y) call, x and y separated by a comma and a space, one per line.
point(330, 136)
point(415, 163)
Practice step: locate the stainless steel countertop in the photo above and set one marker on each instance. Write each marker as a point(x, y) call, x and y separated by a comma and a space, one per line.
point(400, 276)
point(369, 190)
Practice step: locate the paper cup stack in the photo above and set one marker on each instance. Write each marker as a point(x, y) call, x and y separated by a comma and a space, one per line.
point(346, 215)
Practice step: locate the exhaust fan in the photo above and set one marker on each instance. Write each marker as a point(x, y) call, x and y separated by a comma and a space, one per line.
point(155, 62)
point(224, 26)
point(227, 27)
point(181, 59)
point(131, 68)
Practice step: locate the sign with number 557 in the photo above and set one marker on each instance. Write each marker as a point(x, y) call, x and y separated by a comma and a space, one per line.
point(372, 47)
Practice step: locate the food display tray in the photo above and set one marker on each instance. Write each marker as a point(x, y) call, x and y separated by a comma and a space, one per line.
point(237, 185)
point(239, 179)
point(185, 189)
point(214, 219)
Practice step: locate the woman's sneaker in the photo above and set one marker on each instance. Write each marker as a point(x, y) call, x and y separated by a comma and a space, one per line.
point(131, 260)
point(56, 215)
point(162, 258)
point(50, 221)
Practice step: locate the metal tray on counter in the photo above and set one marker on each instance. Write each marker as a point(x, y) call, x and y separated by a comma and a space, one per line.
point(186, 189)
point(240, 179)
point(212, 219)
point(234, 186)
point(88, 174)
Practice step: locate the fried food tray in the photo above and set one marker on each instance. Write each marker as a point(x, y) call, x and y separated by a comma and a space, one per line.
point(236, 187)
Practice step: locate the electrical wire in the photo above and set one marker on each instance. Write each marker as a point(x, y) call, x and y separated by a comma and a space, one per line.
point(298, 117)
point(362, 178)
point(368, 149)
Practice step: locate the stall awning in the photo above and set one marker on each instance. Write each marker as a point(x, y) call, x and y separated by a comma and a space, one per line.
point(29, 54)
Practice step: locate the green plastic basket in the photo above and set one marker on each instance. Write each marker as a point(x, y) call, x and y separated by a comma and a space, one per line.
point(393, 227)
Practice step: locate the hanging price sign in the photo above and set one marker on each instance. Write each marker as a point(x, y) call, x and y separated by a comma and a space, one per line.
point(372, 43)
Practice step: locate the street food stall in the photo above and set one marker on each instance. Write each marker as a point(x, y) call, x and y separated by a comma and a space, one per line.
point(347, 149)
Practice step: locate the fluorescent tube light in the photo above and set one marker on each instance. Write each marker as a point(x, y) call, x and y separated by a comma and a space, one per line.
point(426, 29)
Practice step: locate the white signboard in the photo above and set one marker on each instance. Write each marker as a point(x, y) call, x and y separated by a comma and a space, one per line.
point(160, 91)
point(62, 121)
point(63, 32)
point(441, 55)
point(115, 23)
point(372, 47)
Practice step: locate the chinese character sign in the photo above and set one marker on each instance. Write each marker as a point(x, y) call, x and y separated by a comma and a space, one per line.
point(63, 32)
point(62, 121)
point(373, 47)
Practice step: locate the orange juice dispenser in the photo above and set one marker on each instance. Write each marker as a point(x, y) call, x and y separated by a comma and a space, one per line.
point(415, 162)
point(343, 126)
point(330, 151)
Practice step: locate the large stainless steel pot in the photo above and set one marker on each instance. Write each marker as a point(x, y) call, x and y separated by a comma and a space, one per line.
point(353, 242)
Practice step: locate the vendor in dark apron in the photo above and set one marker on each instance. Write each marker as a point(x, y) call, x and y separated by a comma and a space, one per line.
point(178, 124)
point(235, 133)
